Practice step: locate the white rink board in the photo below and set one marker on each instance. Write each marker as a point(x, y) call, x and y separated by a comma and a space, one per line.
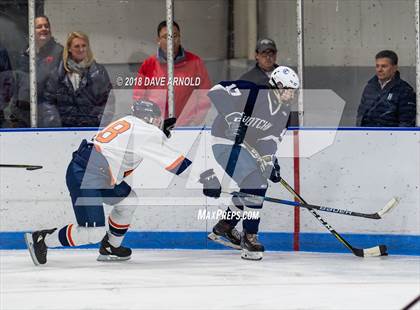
point(360, 171)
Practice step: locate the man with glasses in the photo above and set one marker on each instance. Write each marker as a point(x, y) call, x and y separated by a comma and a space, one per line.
point(265, 55)
point(191, 80)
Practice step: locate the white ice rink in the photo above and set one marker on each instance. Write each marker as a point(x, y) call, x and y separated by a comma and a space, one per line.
point(184, 279)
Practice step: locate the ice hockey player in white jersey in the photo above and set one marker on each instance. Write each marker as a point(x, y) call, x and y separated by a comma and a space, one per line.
point(250, 119)
point(96, 175)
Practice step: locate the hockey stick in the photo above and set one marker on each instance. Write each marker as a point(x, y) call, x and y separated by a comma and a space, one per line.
point(27, 167)
point(376, 216)
point(379, 250)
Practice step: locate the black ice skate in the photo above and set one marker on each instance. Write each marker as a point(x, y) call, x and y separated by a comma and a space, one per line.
point(109, 253)
point(252, 249)
point(36, 245)
point(224, 233)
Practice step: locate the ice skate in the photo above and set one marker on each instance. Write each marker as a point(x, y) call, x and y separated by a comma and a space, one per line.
point(225, 234)
point(36, 245)
point(252, 249)
point(109, 253)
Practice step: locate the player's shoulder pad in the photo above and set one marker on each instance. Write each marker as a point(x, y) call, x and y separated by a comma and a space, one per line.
point(233, 87)
point(241, 84)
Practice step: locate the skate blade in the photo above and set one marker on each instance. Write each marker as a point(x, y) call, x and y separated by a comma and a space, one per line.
point(220, 240)
point(251, 255)
point(111, 258)
point(30, 245)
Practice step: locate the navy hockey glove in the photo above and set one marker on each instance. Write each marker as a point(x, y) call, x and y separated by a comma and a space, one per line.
point(211, 184)
point(168, 125)
point(272, 169)
point(235, 129)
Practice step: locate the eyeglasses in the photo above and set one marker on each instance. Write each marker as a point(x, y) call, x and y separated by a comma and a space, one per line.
point(165, 36)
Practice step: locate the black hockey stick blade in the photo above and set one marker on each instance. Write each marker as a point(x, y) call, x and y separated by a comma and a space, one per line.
point(27, 167)
point(380, 250)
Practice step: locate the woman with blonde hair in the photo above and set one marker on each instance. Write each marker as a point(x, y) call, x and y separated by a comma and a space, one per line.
point(80, 90)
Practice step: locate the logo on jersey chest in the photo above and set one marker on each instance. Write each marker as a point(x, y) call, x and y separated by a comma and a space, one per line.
point(250, 121)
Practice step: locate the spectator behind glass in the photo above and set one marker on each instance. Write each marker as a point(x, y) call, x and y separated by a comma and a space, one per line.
point(265, 55)
point(191, 101)
point(48, 56)
point(6, 85)
point(387, 100)
point(80, 87)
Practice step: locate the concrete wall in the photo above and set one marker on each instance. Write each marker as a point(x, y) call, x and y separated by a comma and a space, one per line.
point(342, 32)
point(125, 31)
point(337, 33)
point(341, 36)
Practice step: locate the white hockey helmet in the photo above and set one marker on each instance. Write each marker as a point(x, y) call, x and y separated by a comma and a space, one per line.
point(284, 77)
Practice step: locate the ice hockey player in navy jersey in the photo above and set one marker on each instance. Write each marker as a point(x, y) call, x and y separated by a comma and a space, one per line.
point(96, 175)
point(251, 119)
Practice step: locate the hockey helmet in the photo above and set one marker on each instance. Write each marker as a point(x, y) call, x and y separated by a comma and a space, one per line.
point(284, 77)
point(147, 110)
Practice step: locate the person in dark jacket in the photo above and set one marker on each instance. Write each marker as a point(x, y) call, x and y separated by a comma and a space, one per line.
point(6, 84)
point(387, 100)
point(265, 55)
point(80, 89)
point(48, 56)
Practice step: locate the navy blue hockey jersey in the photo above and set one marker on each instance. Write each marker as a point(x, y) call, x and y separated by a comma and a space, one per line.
point(250, 107)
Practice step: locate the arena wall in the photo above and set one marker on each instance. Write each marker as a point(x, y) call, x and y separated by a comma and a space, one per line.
point(353, 169)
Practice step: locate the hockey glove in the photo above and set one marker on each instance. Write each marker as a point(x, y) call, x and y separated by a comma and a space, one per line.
point(272, 169)
point(235, 129)
point(211, 184)
point(168, 125)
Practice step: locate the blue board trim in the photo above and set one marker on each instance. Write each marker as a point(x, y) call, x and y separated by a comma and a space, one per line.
point(48, 129)
point(414, 129)
point(273, 241)
point(58, 129)
point(93, 129)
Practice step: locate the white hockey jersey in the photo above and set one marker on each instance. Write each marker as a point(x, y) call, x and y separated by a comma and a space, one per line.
point(127, 141)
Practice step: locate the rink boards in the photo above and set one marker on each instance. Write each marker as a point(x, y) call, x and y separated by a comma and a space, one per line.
point(353, 169)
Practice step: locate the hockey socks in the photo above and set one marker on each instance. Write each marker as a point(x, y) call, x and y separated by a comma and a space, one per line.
point(74, 235)
point(116, 232)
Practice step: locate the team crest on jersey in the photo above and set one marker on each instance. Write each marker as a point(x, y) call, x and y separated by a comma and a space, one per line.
point(250, 121)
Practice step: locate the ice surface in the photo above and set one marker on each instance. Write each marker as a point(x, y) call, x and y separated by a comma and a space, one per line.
point(191, 279)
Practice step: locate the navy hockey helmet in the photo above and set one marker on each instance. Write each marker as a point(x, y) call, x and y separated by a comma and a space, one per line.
point(146, 110)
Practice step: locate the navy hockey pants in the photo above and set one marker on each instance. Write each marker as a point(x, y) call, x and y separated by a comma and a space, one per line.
point(88, 181)
point(245, 171)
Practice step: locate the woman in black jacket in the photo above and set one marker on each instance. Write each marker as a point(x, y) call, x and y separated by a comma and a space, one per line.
point(80, 89)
